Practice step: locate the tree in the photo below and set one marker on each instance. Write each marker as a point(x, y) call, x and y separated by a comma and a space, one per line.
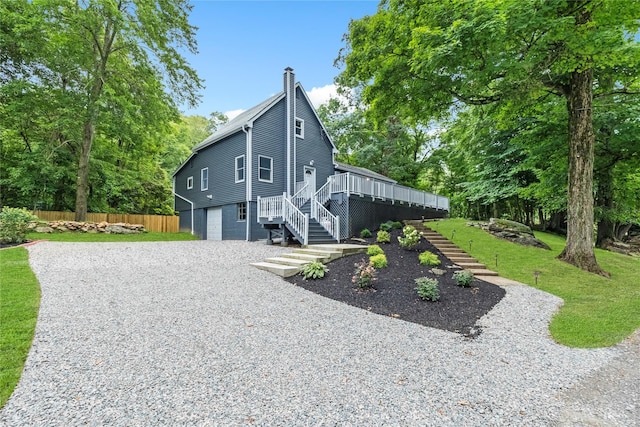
point(419, 59)
point(109, 65)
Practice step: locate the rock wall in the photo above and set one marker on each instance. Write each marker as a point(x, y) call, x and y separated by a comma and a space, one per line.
point(87, 227)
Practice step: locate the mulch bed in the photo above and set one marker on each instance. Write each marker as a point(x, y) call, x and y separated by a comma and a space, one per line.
point(394, 291)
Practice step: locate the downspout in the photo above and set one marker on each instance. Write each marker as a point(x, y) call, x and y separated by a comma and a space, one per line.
point(186, 200)
point(295, 144)
point(248, 175)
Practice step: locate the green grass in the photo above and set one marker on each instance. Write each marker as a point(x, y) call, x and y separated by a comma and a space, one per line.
point(19, 302)
point(103, 237)
point(597, 312)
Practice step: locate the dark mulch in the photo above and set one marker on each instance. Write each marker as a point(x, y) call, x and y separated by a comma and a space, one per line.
point(394, 292)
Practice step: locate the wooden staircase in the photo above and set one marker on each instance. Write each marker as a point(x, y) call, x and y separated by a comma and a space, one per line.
point(290, 264)
point(451, 251)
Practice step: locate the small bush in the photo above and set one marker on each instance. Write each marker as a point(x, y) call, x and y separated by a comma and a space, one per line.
point(374, 250)
point(411, 237)
point(379, 261)
point(463, 278)
point(365, 233)
point(314, 270)
point(428, 258)
point(383, 237)
point(14, 224)
point(365, 275)
point(428, 289)
point(397, 225)
point(385, 226)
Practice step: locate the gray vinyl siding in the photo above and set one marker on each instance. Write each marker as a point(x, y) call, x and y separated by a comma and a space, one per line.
point(257, 231)
point(220, 159)
point(199, 220)
point(314, 146)
point(269, 139)
point(232, 229)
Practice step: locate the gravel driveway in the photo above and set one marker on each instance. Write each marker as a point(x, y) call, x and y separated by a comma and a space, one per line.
point(186, 333)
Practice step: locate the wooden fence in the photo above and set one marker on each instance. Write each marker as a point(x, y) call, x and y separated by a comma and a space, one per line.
point(160, 223)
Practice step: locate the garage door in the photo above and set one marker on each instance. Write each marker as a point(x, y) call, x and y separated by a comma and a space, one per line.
point(214, 224)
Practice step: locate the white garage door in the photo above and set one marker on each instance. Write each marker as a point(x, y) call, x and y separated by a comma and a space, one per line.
point(214, 224)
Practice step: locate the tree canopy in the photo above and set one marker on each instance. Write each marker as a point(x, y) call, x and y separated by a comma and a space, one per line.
point(422, 60)
point(97, 82)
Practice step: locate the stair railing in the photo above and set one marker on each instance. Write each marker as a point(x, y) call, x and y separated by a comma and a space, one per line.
point(295, 218)
point(326, 219)
point(301, 197)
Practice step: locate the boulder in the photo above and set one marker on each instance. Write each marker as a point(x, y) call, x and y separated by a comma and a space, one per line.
point(514, 232)
point(40, 229)
point(118, 229)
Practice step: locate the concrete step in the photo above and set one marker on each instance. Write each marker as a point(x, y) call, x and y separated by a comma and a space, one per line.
point(279, 269)
point(294, 262)
point(305, 257)
point(343, 248)
point(327, 254)
point(482, 272)
point(472, 265)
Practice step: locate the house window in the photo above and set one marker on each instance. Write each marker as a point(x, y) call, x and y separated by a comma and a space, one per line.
point(299, 128)
point(242, 211)
point(240, 168)
point(265, 169)
point(204, 179)
point(189, 183)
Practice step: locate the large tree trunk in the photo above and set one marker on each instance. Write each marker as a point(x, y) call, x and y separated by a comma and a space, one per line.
point(82, 183)
point(580, 218)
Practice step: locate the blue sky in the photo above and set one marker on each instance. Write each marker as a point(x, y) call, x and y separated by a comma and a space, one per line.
point(244, 47)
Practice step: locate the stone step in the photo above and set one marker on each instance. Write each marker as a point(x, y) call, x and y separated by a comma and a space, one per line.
point(327, 254)
point(472, 265)
point(343, 248)
point(482, 272)
point(306, 257)
point(294, 262)
point(279, 269)
point(461, 258)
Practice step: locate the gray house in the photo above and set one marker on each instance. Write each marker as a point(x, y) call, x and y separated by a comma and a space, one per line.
point(271, 170)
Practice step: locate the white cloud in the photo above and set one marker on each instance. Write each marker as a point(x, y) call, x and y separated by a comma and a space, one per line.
point(321, 95)
point(233, 114)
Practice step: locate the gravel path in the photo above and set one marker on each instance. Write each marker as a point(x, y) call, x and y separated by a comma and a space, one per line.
point(185, 333)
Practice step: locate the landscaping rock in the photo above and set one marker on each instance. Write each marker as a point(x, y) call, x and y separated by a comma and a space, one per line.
point(118, 229)
point(43, 230)
point(514, 232)
point(87, 227)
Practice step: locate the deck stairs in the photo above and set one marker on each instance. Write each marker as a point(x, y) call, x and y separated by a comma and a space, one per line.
point(452, 251)
point(317, 233)
point(290, 264)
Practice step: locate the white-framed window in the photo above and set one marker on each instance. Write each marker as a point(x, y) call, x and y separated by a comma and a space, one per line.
point(242, 211)
point(299, 128)
point(240, 168)
point(189, 183)
point(204, 179)
point(265, 169)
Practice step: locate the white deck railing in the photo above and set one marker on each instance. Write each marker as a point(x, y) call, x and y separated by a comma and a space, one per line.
point(270, 207)
point(356, 184)
point(326, 219)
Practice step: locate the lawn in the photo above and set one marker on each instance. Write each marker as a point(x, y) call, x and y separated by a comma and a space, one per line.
point(597, 312)
point(104, 237)
point(19, 302)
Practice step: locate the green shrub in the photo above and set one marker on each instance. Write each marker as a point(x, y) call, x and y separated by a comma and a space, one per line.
point(397, 225)
point(383, 237)
point(463, 278)
point(365, 233)
point(365, 275)
point(428, 289)
point(314, 270)
point(379, 261)
point(374, 250)
point(428, 258)
point(14, 224)
point(411, 237)
point(385, 226)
